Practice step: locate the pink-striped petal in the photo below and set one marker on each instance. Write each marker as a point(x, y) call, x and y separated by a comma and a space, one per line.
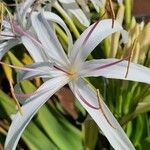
point(103, 117)
point(30, 108)
point(116, 69)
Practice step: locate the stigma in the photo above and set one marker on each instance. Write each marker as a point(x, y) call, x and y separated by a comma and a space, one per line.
point(72, 73)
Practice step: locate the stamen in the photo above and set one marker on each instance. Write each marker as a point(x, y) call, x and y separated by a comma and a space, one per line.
point(20, 68)
point(130, 56)
point(112, 12)
point(28, 95)
point(9, 15)
point(86, 102)
point(58, 68)
point(99, 100)
point(11, 5)
point(23, 95)
point(20, 31)
point(13, 36)
point(14, 97)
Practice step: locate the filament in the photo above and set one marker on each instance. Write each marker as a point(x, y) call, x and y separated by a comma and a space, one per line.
point(130, 56)
point(14, 97)
point(112, 12)
point(99, 100)
point(86, 102)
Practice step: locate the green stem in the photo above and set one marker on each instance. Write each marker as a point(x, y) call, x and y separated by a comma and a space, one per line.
point(141, 108)
point(61, 34)
point(128, 11)
point(116, 36)
point(67, 18)
point(2, 131)
point(106, 41)
point(106, 49)
point(126, 119)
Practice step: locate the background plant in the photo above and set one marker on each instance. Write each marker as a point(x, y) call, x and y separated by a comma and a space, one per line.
point(62, 123)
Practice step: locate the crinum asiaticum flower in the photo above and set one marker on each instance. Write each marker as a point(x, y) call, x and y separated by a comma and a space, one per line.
point(82, 14)
point(60, 69)
point(17, 29)
point(13, 28)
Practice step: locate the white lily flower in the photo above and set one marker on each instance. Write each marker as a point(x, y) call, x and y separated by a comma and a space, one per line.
point(71, 70)
point(14, 29)
point(19, 30)
point(72, 7)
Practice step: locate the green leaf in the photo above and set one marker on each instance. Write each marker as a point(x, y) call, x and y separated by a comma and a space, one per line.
point(7, 103)
point(36, 139)
point(62, 133)
point(138, 129)
point(144, 145)
point(91, 134)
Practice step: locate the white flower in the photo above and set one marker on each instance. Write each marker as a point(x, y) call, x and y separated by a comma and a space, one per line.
point(82, 15)
point(14, 31)
point(14, 28)
point(71, 70)
point(19, 30)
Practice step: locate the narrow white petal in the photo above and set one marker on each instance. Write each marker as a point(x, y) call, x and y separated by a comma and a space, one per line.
point(6, 24)
point(48, 38)
point(125, 36)
point(120, 1)
point(5, 46)
point(97, 4)
point(72, 7)
point(55, 18)
point(29, 109)
point(110, 69)
point(22, 11)
point(6, 33)
point(34, 50)
point(98, 31)
point(84, 5)
point(44, 70)
point(103, 117)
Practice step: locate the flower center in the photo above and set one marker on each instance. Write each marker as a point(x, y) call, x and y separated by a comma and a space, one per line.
point(72, 73)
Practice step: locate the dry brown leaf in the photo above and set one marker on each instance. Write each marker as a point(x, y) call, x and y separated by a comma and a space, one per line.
point(66, 98)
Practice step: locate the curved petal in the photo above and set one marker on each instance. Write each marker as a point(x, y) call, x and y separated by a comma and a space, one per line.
point(6, 35)
point(22, 11)
point(103, 117)
point(72, 7)
point(91, 37)
point(29, 109)
point(55, 18)
point(49, 40)
point(6, 32)
point(5, 46)
point(98, 4)
point(44, 70)
point(116, 69)
point(120, 1)
point(35, 51)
